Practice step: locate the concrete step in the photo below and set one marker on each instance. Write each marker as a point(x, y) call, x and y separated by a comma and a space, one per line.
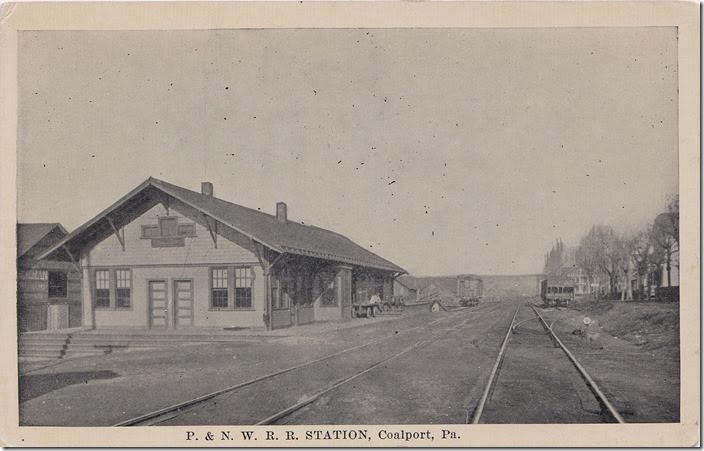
point(41, 347)
point(41, 353)
point(135, 337)
point(48, 340)
point(71, 354)
point(53, 346)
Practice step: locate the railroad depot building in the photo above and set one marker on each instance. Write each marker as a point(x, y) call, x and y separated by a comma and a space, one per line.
point(165, 257)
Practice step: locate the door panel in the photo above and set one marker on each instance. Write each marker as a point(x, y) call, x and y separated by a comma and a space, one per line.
point(158, 305)
point(183, 302)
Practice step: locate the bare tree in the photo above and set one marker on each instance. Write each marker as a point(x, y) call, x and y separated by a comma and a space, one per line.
point(665, 234)
point(641, 255)
point(585, 257)
point(553, 260)
point(624, 250)
point(673, 213)
point(599, 253)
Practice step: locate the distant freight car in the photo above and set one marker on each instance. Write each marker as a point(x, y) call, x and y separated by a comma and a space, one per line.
point(555, 293)
point(469, 289)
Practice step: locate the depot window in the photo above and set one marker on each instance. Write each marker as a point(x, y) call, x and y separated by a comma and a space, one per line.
point(57, 284)
point(102, 288)
point(243, 287)
point(123, 288)
point(218, 291)
point(231, 288)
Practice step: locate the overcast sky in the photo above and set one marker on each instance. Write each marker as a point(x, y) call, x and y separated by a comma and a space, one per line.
point(446, 151)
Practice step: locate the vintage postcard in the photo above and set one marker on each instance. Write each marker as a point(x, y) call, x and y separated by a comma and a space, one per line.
point(305, 224)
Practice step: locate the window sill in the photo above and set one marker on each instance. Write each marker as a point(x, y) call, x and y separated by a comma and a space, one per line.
point(113, 309)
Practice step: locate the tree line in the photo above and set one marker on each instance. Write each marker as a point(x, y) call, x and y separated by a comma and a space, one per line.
point(610, 260)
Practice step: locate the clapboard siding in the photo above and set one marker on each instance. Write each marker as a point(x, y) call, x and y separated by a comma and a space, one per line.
point(32, 317)
point(197, 250)
point(33, 286)
point(29, 297)
point(138, 314)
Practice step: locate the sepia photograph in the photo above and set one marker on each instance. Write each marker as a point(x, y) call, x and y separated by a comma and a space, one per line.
point(340, 227)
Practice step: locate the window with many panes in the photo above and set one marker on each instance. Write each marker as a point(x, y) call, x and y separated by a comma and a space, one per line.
point(123, 288)
point(243, 287)
point(218, 293)
point(58, 283)
point(102, 288)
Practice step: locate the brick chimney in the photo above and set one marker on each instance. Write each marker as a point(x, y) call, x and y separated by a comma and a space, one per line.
point(281, 214)
point(206, 188)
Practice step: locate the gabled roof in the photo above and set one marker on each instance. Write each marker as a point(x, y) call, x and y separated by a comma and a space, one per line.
point(29, 234)
point(289, 237)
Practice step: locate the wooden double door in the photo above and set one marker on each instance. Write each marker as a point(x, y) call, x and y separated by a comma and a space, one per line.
point(292, 299)
point(170, 312)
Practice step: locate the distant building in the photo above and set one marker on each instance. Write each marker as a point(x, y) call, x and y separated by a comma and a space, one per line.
point(575, 274)
point(48, 291)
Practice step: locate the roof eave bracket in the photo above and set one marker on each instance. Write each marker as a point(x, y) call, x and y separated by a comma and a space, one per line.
point(212, 229)
point(115, 230)
point(73, 259)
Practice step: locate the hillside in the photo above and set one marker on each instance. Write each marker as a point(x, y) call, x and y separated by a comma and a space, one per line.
point(495, 286)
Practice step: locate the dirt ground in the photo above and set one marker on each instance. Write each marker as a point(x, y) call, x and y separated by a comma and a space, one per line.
point(132, 383)
point(631, 349)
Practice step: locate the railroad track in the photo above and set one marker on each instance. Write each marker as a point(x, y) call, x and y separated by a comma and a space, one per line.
point(608, 411)
point(170, 412)
point(418, 345)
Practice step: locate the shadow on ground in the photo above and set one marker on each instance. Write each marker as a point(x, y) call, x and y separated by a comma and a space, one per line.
point(33, 385)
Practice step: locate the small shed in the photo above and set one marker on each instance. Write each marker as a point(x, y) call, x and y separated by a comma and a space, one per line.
point(48, 291)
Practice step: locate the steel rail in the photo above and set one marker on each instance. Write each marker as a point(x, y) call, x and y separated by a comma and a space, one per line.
point(582, 371)
point(289, 410)
point(515, 327)
point(494, 371)
point(194, 401)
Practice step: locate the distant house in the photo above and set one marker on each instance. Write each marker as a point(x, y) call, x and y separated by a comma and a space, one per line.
point(576, 275)
point(165, 257)
point(48, 291)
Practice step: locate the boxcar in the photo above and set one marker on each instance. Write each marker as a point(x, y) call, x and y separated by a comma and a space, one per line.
point(469, 289)
point(556, 293)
